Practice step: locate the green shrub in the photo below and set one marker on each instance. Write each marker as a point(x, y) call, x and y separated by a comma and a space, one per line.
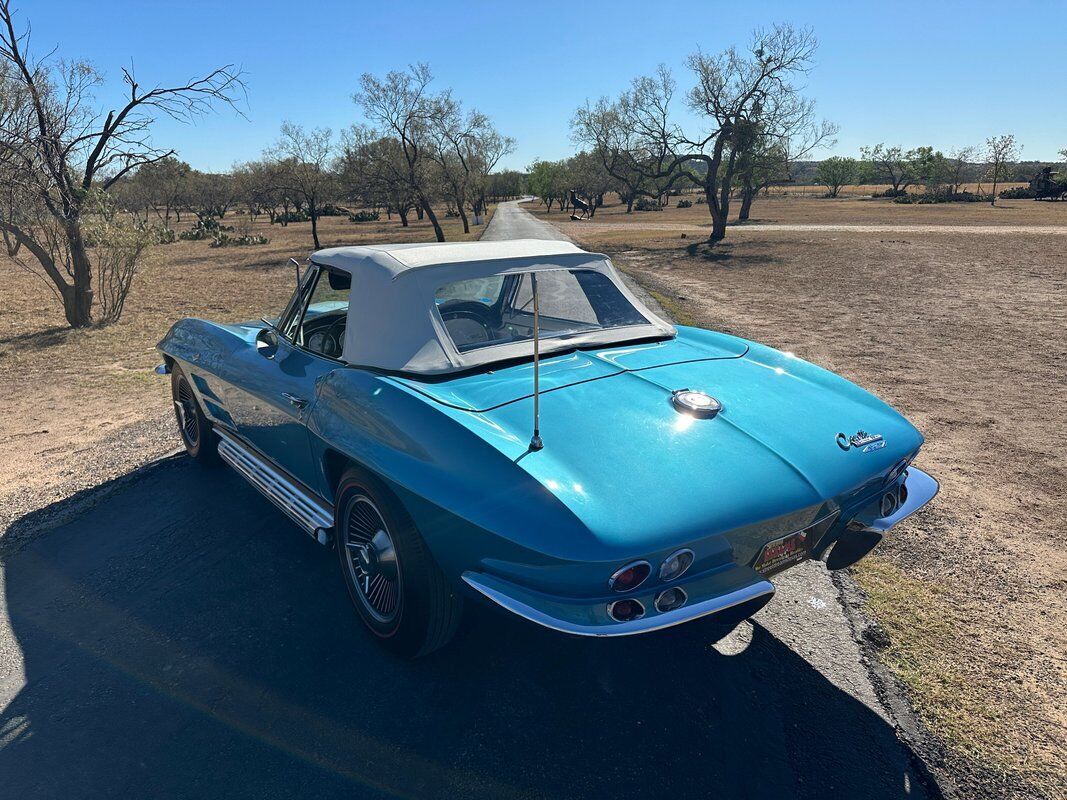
point(892, 193)
point(685, 204)
point(1018, 193)
point(645, 204)
point(205, 228)
point(364, 216)
point(221, 239)
point(942, 197)
point(292, 216)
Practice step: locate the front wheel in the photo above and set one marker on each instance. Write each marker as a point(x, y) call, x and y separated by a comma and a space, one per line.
point(193, 425)
point(399, 591)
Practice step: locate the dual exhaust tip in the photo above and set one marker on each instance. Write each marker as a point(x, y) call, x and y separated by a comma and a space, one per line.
point(893, 500)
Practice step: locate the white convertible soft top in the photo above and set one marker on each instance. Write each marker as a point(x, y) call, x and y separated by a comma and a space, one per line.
point(393, 322)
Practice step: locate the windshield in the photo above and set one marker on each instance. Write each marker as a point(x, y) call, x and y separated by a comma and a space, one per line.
point(498, 310)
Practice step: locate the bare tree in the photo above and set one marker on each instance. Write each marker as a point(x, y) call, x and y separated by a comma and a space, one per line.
point(589, 179)
point(959, 160)
point(373, 172)
point(400, 107)
point(893, 165)
point(210, 194)
point(999, 151)
point(745, 99)
point(57, 150)
point(465, 148)
point(307, 155)
point(165, 185)
point(624, 149)
point(257, 184)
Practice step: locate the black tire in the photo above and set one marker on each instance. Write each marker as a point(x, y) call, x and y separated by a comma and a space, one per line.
point(193, 425)
point(396, 586)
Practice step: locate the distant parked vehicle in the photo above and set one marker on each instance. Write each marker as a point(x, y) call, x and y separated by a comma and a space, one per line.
point(507, 421)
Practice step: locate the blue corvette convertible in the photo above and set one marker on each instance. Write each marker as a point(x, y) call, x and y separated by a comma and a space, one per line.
point(507, 421)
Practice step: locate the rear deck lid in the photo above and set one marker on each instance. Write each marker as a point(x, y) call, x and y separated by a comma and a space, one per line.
point(483, 391)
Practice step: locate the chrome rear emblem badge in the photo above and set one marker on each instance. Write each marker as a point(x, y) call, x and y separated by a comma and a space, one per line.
point(867, 441)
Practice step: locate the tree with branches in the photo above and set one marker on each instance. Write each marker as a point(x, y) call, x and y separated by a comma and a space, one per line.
point(465, 147)
point(746, 100)
point(401, 107)
point(305, 157)
point(58, 152)
point(373, 171)
point(959, 162)
point(835, 172)
point(1000, 150)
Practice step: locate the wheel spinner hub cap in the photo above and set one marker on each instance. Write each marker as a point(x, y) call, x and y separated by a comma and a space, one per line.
point(372, 561)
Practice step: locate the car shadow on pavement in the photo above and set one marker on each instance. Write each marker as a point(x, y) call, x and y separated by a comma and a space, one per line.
point(183, 639)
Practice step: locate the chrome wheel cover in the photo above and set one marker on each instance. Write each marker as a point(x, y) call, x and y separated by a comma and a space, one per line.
point(185, 409)
point(370, 556)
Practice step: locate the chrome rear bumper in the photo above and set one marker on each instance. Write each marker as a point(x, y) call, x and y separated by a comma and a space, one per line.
point(585, 618)
point(921, 489)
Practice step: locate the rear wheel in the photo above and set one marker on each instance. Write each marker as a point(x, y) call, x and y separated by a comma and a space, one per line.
point(399, 591)
point(193, 425)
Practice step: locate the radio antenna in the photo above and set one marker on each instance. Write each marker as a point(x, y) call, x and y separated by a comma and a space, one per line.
point(535, 442)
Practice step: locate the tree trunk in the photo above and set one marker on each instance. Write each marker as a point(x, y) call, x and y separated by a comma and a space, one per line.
point(630, 204)
point(403, 213)
point(747, 196)
point(78, 297)
point(463, 216)
point(433, 220)
point(993, 196)
point(419, 213)
point(313, 212)
point(718, 215)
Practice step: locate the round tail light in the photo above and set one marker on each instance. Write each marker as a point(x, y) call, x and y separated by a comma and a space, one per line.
point(629, 577)
point(670, 599)
point(675, 564)
point(626, 610)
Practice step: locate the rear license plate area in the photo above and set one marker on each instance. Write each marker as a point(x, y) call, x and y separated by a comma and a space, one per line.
point(783, 552)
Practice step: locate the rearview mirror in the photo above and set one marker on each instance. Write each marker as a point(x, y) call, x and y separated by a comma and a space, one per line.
point(340, 281)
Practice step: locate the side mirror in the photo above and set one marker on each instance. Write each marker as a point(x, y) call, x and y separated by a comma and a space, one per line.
point(267, 343)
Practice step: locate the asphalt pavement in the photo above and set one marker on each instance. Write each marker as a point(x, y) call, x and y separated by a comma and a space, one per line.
point(181, 638)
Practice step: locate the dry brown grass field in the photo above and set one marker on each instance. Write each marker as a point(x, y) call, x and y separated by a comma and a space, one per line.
point(64, 392)
point(963, 329)
point(867, 189)
point(804, 210)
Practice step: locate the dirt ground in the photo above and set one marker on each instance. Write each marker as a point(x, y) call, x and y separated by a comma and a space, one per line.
point(83, 407)
point(967, 336)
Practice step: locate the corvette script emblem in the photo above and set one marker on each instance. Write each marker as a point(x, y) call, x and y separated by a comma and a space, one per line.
point(866, 441)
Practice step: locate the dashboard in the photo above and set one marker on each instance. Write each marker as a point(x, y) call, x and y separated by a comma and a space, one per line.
point(325, 334)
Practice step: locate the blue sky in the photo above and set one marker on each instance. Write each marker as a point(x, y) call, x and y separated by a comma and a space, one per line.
point(945, 74)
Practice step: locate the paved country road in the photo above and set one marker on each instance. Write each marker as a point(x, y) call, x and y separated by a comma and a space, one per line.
point(181, 638)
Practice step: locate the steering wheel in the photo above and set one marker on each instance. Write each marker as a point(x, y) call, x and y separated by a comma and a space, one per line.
point(476, 322)
point(334, 331)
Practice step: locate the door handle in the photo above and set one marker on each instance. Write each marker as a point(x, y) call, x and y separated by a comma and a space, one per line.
point(297, 402)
